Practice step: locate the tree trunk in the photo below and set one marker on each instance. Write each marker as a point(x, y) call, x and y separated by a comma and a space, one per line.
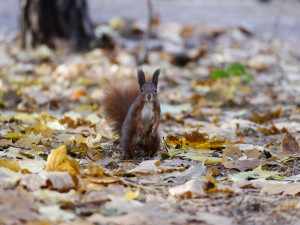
point(43, 20)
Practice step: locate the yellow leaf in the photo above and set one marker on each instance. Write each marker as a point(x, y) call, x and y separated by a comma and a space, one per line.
point(23, 116)
point(131, 195)
point(82, 108)
point(201, 155)
point(255, 174)
point(15, 135)
point(12, 165)
point(96, 171)
point(40, 127)
point(59, 161)
point(196, 140)
point(207, 160)
point(80, 140)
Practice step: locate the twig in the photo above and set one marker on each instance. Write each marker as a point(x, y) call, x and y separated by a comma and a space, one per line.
point(168, 147)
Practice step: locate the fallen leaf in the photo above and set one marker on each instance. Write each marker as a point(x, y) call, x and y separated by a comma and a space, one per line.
point(132, 194)
point(60, 181)
point(201, 155)
point(211, 218)
point(272, 130)
point(243, 165)
point(233, 152)
point(53, 197)
point(17, 206)
point(195, 188)
point(197, 140)
point(255, 174)
point(33, 165)
point(8, 177)
point(195, 171)
point(289, 146)
point(15, 135)
point(13, 165)
point(146, 214)
point(33, 182)
point(147, 167)
point(284, 189)
point(55, 214)
point(96, 170)
point(94, 157)
point(253, 153)
point(59, 161)
point(118, 205)
point(262, 118)
point(77, 94)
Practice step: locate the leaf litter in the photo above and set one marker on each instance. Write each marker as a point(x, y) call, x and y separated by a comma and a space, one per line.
point(229, 127)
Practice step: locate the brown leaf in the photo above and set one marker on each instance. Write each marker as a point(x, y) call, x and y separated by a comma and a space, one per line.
point(253, 153)
point(33, 182)
point(289, 146)
point(16, 207)
point(243, 165)
point(284, 189)
point(195, 137)
point(262, 118)
point(93, 157)
point(60, 181)
point(232, 151)
point(272, 130)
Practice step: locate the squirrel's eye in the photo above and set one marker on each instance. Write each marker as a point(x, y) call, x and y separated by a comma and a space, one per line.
point(142, 89)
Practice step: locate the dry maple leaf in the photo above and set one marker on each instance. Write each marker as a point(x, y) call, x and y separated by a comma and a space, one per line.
point(262, 118)
point(173, 140)
point(272, 130)
point(289, 146)
point(59, 161)
point(195, 137)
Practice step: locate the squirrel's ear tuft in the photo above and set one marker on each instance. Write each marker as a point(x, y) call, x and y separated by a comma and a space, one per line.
point(155, 77)
point(141, 77)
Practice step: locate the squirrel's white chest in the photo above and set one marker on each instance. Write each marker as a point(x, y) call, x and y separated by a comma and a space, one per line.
point(147, 115)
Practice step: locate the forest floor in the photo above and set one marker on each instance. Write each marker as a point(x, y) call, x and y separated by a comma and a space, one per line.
point(230, 129)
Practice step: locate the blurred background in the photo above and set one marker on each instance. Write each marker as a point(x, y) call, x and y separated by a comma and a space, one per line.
point(212, 53)
point(274, 18)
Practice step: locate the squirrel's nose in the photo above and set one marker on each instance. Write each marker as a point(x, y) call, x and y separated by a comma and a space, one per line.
point(149, 96)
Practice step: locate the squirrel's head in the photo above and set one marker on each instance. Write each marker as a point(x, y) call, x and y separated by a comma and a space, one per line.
point(148, 89)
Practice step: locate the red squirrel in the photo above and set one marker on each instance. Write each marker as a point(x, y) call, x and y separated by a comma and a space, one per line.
point(134, 114)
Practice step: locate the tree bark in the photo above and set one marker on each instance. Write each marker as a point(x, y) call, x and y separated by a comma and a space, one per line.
point(43, 20)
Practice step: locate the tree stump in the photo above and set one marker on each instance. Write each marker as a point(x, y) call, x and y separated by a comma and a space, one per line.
point(41, 21)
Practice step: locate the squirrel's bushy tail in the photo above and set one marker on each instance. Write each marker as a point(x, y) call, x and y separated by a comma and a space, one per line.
point(118, 97)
